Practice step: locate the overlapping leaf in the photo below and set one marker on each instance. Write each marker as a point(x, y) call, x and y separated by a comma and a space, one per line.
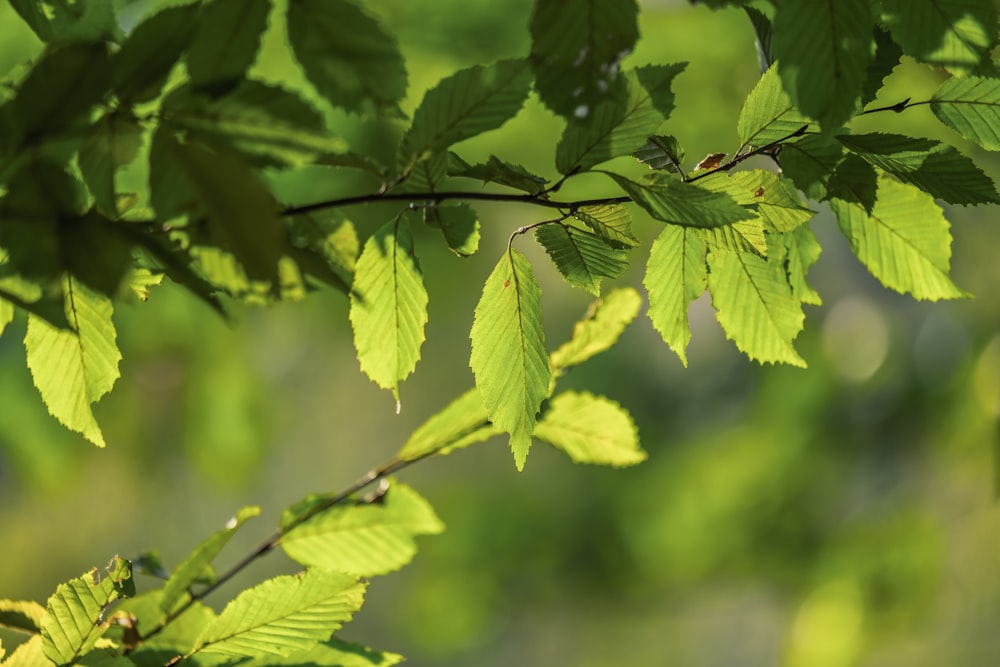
point(612, 222)
point(331, 653)
point(284, 614)
point(755, 306)
point(971, 107)
point(823, 50)
point(768, 114)
point(600, 328)
point(388, 306)
point(801, 250)
point(74, 368)
point(675, 276)
point(226, 41)
point(152, 49)
point(459, 224)
point(365, 539)
point(350, 59)
point(679, 203)
point(956, 34)
point(661, 152)
point(496, 170)
point(590, 429)
point(111, 143)
point(905, 242)
point(462, 423)
point(809, 161)
point(26, 616)
point(508, 351)
point(60, 21)
point(583, 258)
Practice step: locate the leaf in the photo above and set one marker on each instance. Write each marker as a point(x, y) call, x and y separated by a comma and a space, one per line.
point(350, 59)
point(675, 276)
point(612, 222)
point(151, 50)
point(176, 638)
point(823, 50)
point(661, 152)
point(955, 34)
point(801, 250)
point(111, 143)
point(618, 127)
point(467, 103)
point(6, 311)
point(272, 126)
point(971, 107)
point(73, 369)
point(459, 224)
point(284, 614)
point(599, 329)
point(331, 653)
point(905, 242)
point(508, 351)
point(388, 306)
point(809, 162)
point(887, 55)
point(60, 21)
point(744, 236)
point(685, 204)
point(197, 566)
point(590, 429)
point(934, 167)
point(96, 251)
point(583, 258)
point(576, 50)
point(755, 306)
point(768, 114)
point(775, 202)
point(462, 423)
point(496, 170)
point(365, 539)
point(226, 42)
point(28, 654)
point(26, 616)
point(853, 180)
point(71, 624)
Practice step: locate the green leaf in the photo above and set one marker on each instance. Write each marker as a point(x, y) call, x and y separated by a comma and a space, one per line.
point(971, 107)
point(955, 34)
point(776, 203)
point(26, 616)
point(467, 103)
point(350, 59)
point(675, 276)
point(71, 625)
point(284, 614)
point(508, 351)
point(152, 49)
point(28, 654)
point(226, 42)
point(197, 566)
point(905, 242)
point(273, 127)
point(176, 638)
point(599, 329)
point(685, 204)
point(61, 21)
point(110, 144)
point(768, 114)
point(388, 306)
point(44, 300)
point(745, 236)
point(583, 258)
point(612, 222)
point(331, 236)
point(935, 168)
point(6, 311)
point(823, 50)
point(887, 55)
point(331, 653)
point(73, 369)
point(661, 152)
point(590, 429)
point(242, 214)
point(96, 252)
point(801, 250)
point(462, 423)
point(459, 224)
point(619, 126)
point(853, 180)
point(496, 170)
point(577, 48)
point(809, 162)
point(363, 538)
point(755, 306)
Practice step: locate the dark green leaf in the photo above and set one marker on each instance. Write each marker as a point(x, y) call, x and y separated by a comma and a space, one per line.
point(111, 143)
point(346, 54)
point(809, 161)
point(61, 21)
point(971, 107)
point(226, 41)
point(853, 180)
point(954, 34)
point(583, 258)
point(459, 224)
point(686, 204)
point(661, 152)
point(152, 49)
point(764, 32)
point(496, 170)
point(768, 114)
point(95, 252)
point(612, 222)
point(887, 55)
point(576, 50)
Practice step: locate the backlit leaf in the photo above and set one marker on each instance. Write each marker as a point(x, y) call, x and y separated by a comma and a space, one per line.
point(801, 252)
point(583, 258)
point(755, 306)
point(363, 538)
point(612, 222)
point(462, 423)
point(388, 306)
point(226, 41)
point(956, 34)
point(26, 616)
point(74, 368)
point(508, 351)
point(590, 429)
point(350, 59)
point(28, 654)
point(768, 114)
point(971, 107)
point(284, 614)
point(777, 204)
point(905, 242)
point(331, 653)
point(675, 276)
point(679, 203)
point(599, 329)
point(661, 152)
point(459, 224)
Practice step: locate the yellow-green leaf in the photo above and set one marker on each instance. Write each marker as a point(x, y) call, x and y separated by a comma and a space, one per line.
point(590, 429)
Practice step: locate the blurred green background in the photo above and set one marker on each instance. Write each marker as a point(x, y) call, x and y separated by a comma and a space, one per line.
point(835, 516)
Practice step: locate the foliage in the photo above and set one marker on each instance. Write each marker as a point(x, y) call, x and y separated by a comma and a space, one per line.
point(170, 99)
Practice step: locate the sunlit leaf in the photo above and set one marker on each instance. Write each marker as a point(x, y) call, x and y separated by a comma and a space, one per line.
point(801, 252)
point(755, 306)
point(462, 423)
point(284, 614)
point(675, 276)
point(956, 34)
point(25, 616)
point(350, 59)
point(508, 351)
point(388, 306)
point(687, 204)
point(363, 538)
point(583, 258)
point(971, 107)
point(599, 329)
point(73, 369)
point(576, 62)
point(331, 653)
point(905, 242)
point(28, 654)
point(612, 222)
point(590, 429)
point(768, 114)
point(226, 41)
